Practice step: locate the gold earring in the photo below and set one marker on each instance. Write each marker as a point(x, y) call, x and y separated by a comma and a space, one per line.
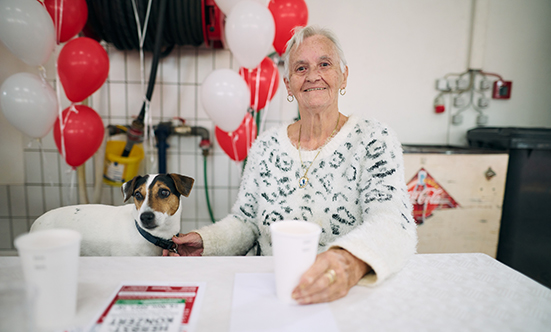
point(342, 91)
point(290, 98)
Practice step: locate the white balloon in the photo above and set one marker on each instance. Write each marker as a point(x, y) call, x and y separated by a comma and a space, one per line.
point(27, 30)
point(227, 5)
point(29, 104)
point(225, 97)
point(250, 32)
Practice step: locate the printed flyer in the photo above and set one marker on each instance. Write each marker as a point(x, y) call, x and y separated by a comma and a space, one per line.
point(151, 307)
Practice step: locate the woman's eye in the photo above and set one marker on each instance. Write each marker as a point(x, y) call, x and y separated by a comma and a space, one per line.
point(325, 64)
point(164, 193)
point(138, 196)
point(301, 68)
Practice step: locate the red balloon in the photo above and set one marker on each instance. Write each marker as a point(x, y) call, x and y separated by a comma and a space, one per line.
point(83, 66)
point(266, 77)
point(69, 17)
point(237, 143)
point(287, 14)
point(82, 134)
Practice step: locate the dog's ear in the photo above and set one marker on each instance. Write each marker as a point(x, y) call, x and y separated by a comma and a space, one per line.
point(183, 183)
point(128, 188)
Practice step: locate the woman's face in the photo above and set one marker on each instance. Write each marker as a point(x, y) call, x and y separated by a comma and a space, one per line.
point(315, 75)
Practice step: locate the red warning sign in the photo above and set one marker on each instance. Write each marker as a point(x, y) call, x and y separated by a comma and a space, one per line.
point(427, 195)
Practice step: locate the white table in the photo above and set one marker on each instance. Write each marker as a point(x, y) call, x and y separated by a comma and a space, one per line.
point(437, 292)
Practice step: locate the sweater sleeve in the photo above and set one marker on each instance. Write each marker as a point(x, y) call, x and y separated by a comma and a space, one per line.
point(387, 237)
point(236, 233)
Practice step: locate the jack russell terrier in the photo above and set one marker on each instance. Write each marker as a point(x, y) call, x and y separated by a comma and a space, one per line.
point(144, 228)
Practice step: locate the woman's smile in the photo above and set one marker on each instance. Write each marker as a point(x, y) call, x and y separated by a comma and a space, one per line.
point(314, 89)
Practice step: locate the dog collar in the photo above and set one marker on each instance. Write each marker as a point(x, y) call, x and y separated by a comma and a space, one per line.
point(159, 242)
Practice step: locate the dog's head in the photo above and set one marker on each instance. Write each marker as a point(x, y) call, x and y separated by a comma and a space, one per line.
point(157, 198)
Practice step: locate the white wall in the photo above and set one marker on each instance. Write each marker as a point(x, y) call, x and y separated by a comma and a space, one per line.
point(396, 49)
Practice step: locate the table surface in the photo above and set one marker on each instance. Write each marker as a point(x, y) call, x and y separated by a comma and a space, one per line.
point(434, 292)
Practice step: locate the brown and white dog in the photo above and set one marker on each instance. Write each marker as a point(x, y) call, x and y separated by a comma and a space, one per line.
point(140, 229)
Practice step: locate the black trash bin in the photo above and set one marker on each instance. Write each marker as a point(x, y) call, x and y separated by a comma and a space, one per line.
point(525, 234)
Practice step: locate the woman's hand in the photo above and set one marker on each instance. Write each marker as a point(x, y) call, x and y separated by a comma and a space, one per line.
point(320, 284)
point(190, 244)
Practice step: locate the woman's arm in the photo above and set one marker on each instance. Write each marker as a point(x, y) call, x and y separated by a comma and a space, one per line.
point(382, 243)
point(387, 237)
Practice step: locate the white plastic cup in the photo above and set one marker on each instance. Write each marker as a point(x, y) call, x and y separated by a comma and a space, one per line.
point(16, 307)
point(295, 246)
point(50, 265)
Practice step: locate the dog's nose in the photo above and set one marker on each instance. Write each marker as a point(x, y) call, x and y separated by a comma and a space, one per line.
point(148, 220)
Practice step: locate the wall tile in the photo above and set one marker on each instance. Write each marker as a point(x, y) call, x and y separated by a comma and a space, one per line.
point(4, 202)
point(18, 200)
point(220, 202)
point(35, 197)
point(170, 106)
point(205, 64)
point(189, 205)
point(20, 226)
point(169, 67)
point(221, 170)
point(188, 65)
point(52, 197)
point(222, 59)
point(33, 167)
point(117, 100)
point(5, 234)
point(116, 72)
point(187, 95)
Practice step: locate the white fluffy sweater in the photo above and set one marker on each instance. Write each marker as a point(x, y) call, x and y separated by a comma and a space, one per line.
point(356, 193)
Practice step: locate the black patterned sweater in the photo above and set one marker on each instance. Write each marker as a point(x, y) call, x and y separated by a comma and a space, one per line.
point(356, 193)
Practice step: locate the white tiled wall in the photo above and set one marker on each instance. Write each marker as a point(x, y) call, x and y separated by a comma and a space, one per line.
point(50, 183)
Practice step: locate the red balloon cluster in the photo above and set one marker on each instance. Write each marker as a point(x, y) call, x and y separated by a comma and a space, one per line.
point(69, 17)
point(263, 82)
point(83, 132)
point(237, 143)
point(82, 66)
point(287, 14)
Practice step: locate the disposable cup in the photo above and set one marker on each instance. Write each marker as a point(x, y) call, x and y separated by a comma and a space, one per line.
point(50, 266)
point(16, 311)
point(295, 246)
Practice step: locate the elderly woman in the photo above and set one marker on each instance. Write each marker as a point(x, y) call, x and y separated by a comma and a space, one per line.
point(343, 173)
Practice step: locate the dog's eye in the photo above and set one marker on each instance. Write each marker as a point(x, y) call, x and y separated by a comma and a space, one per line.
point(138, 195)
point(164, 193)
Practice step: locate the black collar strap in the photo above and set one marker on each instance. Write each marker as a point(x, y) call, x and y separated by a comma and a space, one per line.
point(159, 242)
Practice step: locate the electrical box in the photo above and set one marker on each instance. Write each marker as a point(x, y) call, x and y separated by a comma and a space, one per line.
point(502, 89)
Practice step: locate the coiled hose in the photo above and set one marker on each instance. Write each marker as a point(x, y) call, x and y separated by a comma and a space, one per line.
point(114, 21)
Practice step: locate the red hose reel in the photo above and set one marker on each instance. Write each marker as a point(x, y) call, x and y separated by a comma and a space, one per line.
point(213, 24)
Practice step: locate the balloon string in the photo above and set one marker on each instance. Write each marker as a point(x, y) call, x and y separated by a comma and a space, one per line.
point(149, 137)
point(72, 187)
point(48, 174)
point(148, 120)
point(257, 87)
point(60, 22)
point(60, 113)
point(234, 137)
point(141, 38)
point(42, 73)
point(248, 133)
point(268, 101)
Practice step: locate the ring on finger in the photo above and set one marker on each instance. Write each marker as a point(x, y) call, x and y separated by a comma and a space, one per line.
point(332, 275)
